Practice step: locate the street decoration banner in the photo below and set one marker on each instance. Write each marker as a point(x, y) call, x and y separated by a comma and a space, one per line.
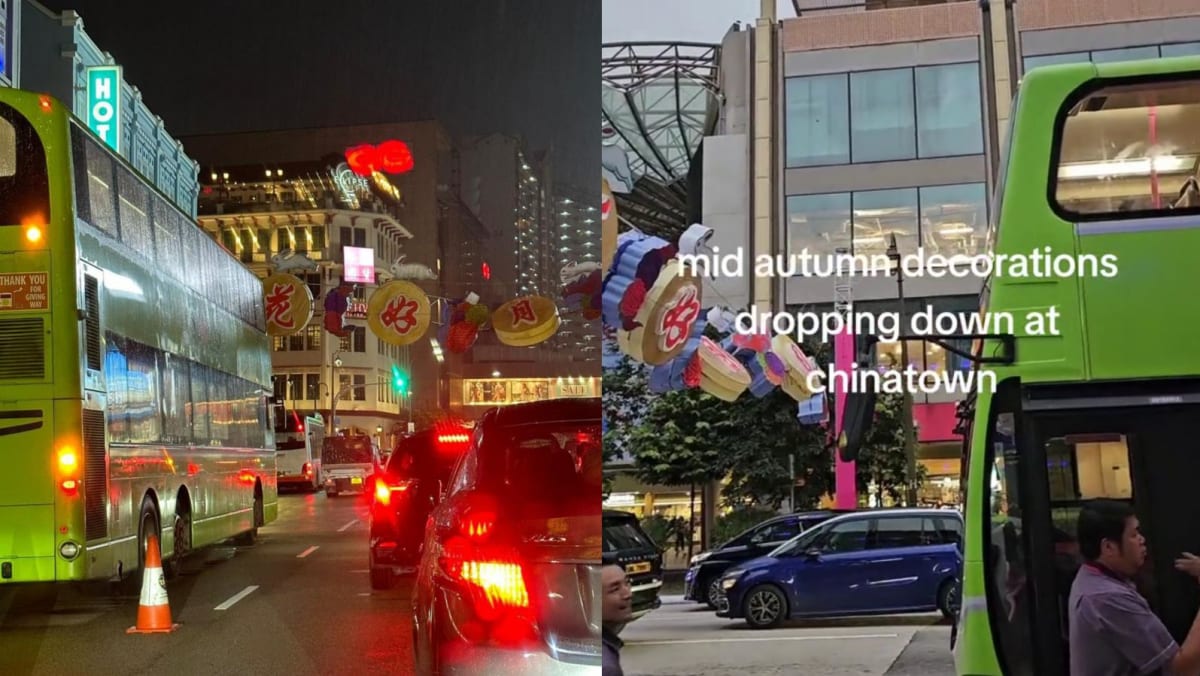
point(526, 321)
point(288, 304)
point(398, 313)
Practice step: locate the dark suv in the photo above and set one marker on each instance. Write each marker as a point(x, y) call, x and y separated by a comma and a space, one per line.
point(702, 582)
point(628, 546)
point(509, 576)
point(405, 493)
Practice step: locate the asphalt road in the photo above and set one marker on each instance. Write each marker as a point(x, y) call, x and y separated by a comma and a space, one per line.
point(685, 638)
point(299, 601)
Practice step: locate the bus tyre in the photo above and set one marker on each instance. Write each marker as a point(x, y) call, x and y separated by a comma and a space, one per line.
point(246, 539)
point(764, 607)
point(147, 526)
point(947, 599)
point(182, 545)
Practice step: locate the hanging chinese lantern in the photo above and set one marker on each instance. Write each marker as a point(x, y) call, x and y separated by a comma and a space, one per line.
point(526, 321)
point(395, 157)
point(363, 159)
point(288, 304)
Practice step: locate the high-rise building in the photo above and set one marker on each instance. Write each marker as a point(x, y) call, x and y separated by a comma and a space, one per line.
point(575, 239)
point(886, 117)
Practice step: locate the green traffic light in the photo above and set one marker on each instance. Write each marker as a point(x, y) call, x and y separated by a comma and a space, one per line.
point(399, 379)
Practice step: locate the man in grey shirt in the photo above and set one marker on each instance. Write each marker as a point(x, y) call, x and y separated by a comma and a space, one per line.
point(1113, 632)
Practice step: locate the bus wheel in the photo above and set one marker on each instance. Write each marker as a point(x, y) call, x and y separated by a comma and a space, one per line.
point(147, 526)
point(246, 539)
point(765, 607)
point(182, 543)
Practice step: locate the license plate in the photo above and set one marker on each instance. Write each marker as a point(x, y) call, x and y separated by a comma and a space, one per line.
point(356, 480)
point(635, 568)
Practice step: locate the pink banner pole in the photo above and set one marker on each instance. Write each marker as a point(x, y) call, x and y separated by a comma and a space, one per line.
point(846, 489)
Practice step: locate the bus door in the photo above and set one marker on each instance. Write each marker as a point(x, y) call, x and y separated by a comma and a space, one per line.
point(1083, 448)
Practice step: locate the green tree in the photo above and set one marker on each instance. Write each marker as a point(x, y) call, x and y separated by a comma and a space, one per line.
point(882, 459)
point(625, 398)
point(767, 432)
point(680, 439)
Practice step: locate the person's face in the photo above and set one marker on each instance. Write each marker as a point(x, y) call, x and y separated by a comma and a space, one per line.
point(1129, 554)
point(618, 596)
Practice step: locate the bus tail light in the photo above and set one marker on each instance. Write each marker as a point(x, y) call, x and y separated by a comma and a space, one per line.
point(70, 487)
point(45, 103)
point(68, 462)
point(307, 469)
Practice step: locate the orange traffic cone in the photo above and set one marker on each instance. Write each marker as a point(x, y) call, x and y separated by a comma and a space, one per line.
point(154, 612)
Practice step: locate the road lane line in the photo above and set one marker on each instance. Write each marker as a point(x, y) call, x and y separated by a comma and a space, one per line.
point(237, 597)
point(347, 526)
point(759, 640)
point(308, 551)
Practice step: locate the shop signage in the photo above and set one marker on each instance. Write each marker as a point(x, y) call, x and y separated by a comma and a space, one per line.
point(501, 391)
point(104, 104)
point(359, 264)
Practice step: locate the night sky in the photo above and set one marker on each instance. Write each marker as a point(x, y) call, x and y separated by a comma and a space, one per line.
point(526, 67)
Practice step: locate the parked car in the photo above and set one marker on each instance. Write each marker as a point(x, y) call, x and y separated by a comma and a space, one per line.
point(703, 579)
point(864, 563)
point(509, 576)
point(628, 546)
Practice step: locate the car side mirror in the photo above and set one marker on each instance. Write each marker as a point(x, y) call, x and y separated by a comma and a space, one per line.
point(812, 554)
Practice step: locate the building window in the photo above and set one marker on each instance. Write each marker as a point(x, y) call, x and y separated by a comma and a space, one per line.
point(312, 387)
point(819, 223)
point(954, 219)
point(360, 391)
point(1182, 49)
point(881, 213)
point(360, 339)
point(949, 111)
point(1032, 62)
point(312, 336)
point(818, 122)
point(1124, 54)
point(882, 124)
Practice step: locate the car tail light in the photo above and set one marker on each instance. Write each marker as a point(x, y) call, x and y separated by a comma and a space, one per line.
point(307, 469)
point(384, 488)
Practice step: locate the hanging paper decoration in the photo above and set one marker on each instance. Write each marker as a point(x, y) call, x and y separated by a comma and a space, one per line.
point(582, 285)
point(288, 304)
point(682, 372)
point(526, 321)
point(721, 375)
point(608, 225)
point(754, 353)
point(395, 157)
point(337, 301)
point(461, 321)
point(798, 364)
point(398, 312)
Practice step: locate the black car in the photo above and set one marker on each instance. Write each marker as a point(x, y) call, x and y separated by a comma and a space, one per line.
point(628, 546)
point(702, 582)
point(405, 493)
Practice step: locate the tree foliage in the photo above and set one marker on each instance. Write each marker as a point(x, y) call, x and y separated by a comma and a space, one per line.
point(680, 439)
point(883, 459)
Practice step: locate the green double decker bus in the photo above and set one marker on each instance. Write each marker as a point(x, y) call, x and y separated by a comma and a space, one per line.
point(134, 364)
point(1101, 160)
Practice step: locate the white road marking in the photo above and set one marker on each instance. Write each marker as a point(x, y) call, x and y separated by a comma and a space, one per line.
point(364, 593)
point(308, 551)
point(759, 640)
point(237, 597)
point(347, 526)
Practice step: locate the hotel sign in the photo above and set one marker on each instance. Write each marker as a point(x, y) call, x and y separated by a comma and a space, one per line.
point(104, 104)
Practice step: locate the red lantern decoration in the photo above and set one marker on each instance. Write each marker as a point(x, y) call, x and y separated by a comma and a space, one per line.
point(461, 337)
point(395, 157)
point(363, 159)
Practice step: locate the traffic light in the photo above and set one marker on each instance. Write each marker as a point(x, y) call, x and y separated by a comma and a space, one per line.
point(399, 380)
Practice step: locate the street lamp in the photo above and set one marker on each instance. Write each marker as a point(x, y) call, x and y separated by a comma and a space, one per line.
point(910, 442)
point(333, 387)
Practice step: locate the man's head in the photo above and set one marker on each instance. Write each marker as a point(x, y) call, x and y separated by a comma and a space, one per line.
point(1109, 534)
point(618, 597)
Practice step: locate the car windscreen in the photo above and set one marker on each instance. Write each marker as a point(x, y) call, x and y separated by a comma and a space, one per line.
point(544, 469)
point(347, 451)
point(620, 534)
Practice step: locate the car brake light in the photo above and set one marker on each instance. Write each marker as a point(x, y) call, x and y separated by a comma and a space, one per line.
point(307, 470)
point(383, 490)
point(500, 583)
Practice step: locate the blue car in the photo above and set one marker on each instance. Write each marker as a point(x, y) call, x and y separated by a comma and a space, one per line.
point(864, 563)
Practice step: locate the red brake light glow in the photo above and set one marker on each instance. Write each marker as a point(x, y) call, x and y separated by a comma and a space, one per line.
point(70, 486)
point(383, 492)
point(501, 583)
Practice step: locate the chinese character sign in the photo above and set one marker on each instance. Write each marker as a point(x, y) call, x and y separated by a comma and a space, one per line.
point(360, 264)
point(287, 303)
point(398, 312)
point(526, 321)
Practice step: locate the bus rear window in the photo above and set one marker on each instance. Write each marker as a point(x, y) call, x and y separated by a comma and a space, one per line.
point(24, 176)
point(1130, 150)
